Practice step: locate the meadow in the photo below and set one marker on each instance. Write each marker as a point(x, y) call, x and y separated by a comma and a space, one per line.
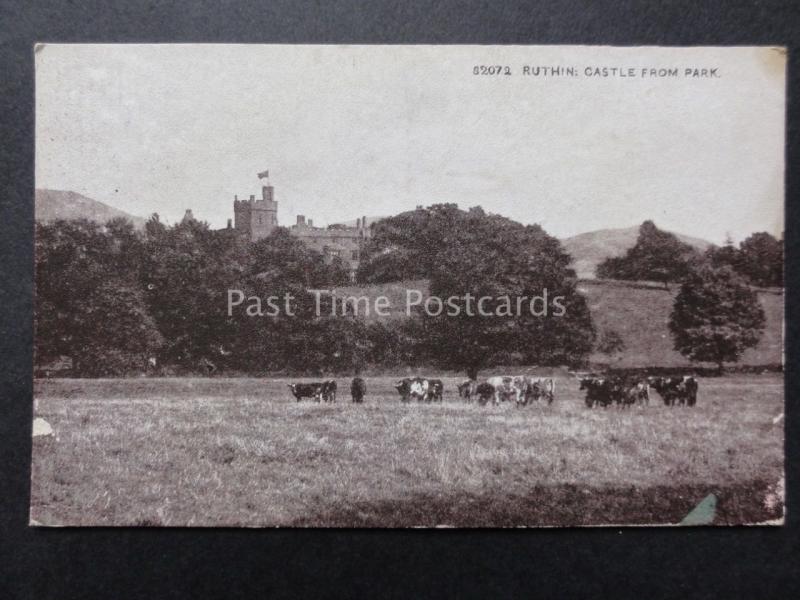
point(243, 452)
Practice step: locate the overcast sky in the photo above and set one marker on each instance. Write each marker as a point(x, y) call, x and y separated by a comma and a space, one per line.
point(375, 130)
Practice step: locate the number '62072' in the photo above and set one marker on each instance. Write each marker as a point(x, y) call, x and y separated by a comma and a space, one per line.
point(491, 70)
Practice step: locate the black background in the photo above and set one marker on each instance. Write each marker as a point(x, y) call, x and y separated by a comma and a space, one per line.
point(149, 563)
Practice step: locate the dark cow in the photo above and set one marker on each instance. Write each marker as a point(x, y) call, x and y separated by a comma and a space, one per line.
point(676, 390)
point(467, 389)
point(435, 390)
point(358, 389)
point(538, 388)
point(485, 392)
point(307, 390)
point(600, 391)
point(329, 389)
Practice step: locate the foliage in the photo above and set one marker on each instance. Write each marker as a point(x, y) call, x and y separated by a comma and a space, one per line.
point(759, 258)
point(111, 298)
point(88, 302)
point(407, 246)
point(762, 259)
point(657, 256)
point(716, 316)
point(488, 255)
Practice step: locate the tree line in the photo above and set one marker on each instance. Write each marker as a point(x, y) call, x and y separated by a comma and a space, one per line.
point(660, 256)
point(117, 301)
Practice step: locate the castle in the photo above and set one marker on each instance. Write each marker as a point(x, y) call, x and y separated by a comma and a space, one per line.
point(257, 218)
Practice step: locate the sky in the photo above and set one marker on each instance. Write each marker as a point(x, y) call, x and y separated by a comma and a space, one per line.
point(347, 131)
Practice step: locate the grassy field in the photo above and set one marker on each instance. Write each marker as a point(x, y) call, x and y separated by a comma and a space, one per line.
point(224, 452)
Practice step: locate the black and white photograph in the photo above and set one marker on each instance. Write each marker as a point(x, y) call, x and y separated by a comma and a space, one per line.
point(403, 286)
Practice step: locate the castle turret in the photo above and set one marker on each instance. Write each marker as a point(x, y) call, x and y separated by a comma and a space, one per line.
point(256, 218)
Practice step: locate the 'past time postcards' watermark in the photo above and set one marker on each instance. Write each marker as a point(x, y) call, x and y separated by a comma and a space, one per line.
point(415, 302)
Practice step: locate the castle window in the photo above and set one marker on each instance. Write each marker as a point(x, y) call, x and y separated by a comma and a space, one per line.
point(355, 254)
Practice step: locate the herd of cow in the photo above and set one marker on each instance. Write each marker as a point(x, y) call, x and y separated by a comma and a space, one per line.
point(626, 390)
point(603, 390)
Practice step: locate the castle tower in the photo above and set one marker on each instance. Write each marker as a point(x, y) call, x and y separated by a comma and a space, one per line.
point(256, 218)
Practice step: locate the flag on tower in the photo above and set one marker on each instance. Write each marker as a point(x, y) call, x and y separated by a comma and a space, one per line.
point(264, 174)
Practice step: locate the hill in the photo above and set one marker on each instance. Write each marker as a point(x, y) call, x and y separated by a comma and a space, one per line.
point(639, 312)
point(591, 248)
point(51, 205)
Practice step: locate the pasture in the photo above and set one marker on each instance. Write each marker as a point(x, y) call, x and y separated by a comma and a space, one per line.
point(243, 452)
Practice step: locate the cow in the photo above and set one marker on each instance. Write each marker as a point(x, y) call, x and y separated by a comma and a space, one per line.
point(485, 392)
point(329, 389)
point(540, 387)
point(410, 388)
point(676, 390)
point(600, 391)
point(307, 390)
point(467, 389)
point(435, 390)
point(358, 389)
point(506, 386)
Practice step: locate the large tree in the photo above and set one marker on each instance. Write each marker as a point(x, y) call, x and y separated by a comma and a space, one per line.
point(89, 303)
point(657, 256)
point(716, 316)
point(491, 256)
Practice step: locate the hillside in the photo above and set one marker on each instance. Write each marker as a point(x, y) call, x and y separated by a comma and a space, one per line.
point(591, 248)
point(51, 205)
point(638, 312)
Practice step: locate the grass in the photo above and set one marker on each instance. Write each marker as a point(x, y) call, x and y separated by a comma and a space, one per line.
point(217, 452)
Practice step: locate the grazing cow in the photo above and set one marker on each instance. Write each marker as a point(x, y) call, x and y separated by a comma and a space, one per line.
point(358, 389)
point(329, 391)
point(435, 390)
point(600, 391)
point(540, 387)
point(307, 390)
point(467, 389)
point(485, 392)
point(676, 390)
point(690, 386)
point(411, 388)
point(507, 386)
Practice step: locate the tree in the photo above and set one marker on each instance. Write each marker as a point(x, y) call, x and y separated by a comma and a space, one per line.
point(186, 273)
point(488, 255)
point(119, 336)
point(715, 317)
point(726, 255)
point(657, 256)
point(89, 305)
point(761, 259)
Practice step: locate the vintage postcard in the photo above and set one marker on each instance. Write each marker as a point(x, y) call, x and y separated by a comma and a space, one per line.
point(408, 286)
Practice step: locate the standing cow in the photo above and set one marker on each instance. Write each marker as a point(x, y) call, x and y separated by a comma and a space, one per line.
point(307, 390)
point(329, 389)
point(358, 389)
point(435, 390)
point(485, 392)
point(412, 388)
point(540, 387)
point(467, 389)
